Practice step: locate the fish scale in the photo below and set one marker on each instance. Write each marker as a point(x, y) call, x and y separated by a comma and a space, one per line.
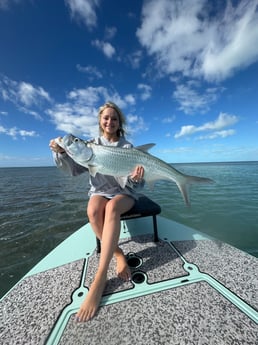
point(121, 162)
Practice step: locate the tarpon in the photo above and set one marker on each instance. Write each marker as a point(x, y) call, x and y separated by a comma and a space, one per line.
point(120, 162)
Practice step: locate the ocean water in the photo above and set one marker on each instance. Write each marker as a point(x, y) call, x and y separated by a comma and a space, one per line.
point(40, 207)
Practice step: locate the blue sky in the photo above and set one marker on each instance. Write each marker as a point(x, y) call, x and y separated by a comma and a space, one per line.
point(185, 73)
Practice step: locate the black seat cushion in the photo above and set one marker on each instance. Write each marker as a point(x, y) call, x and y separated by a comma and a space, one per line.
point(143, 207)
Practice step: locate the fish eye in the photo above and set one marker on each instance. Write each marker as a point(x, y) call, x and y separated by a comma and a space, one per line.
point(76, 140)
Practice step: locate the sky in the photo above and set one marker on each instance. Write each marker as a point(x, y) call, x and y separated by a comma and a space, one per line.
point(184, 72)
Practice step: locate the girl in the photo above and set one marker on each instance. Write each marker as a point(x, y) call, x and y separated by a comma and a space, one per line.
point(106, 204)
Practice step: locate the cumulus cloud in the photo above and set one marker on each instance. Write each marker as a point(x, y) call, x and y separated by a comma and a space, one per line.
point(135, 124)
point(105, 47)
point(75, 118)
point(30, 95)
point(191, 99)
point(186, 37)
point(89, 96)
point(130, 99)
point(146, 91)
point(84, 11)
point(14, 132)
point(217, 127)
point(78, 115)
point(24, 95)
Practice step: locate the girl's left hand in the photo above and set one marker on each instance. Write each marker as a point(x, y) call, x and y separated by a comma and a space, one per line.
point(137, 174)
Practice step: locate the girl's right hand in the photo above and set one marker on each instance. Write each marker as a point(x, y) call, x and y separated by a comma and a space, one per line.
point(55, 147)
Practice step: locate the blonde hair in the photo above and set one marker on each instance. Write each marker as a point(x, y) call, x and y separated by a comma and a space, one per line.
point(121, 117)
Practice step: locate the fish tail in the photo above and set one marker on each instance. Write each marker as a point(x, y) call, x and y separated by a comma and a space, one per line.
point(184, 189)
point(189, 180)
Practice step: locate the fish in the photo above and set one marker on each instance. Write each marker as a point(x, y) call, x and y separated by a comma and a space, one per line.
point(120, 162)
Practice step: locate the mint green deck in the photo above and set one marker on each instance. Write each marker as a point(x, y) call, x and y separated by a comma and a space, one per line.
point(83, 241)
point(187, 277)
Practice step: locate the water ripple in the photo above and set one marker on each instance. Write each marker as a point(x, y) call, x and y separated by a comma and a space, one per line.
point(40, 207)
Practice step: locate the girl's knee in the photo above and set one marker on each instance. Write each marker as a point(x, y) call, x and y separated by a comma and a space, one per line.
point(93, 214)
point(96, 208)
point(118, 206)
point(112, 207)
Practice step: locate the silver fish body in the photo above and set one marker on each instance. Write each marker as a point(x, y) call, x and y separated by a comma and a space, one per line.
point(120, 162)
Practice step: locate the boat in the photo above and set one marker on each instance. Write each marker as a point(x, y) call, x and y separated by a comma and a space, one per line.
point(186, 288)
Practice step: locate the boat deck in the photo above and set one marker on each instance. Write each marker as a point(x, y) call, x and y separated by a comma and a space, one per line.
point(186, 289)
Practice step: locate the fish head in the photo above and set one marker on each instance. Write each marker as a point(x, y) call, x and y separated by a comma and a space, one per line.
point(76, 148)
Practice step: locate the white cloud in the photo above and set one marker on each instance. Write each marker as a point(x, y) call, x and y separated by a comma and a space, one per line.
point(89, 96)
point(186, 37)
point(30, 95)
point(192, 100)
point(74, 118)
point(223, 120)
point(234, 42)
point(169, 119)
point(92, 71)
point(84, 11)
point(130, 99)
point(22, 94)
point(78, 115)
point(35, 114)
point(135, 124)
point(105, 47)
point(14, 132)
point(218, 134)
point(25, 133)
point(146, 91)
point(135, 59)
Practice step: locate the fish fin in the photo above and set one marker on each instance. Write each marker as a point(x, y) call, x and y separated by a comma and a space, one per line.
point(122, 180)
point(184, 187)
point(145, 148)
point(92, 170)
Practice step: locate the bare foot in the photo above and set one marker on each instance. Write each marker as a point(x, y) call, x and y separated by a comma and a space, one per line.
point(91, 303)
point(122, 269)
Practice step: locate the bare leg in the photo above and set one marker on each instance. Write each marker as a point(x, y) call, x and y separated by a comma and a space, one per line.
point(110, 236)
point(96, 214)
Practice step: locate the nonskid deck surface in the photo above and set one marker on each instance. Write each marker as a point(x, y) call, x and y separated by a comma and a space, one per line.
point(183, 292)
point(191, 314)
point(146, 259)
